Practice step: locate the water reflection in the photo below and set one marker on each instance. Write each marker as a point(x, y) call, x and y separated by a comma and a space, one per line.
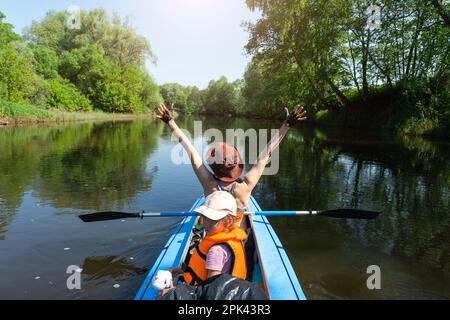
point(103, 171)
point(95, 166)
point(408, 181)
point(98, 268)
point(102, 166)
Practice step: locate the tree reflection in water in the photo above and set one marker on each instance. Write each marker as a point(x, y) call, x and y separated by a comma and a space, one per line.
point(105, 166)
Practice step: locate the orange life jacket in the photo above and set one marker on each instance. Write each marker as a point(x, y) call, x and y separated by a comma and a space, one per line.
point(239, 216)
point(196, 272)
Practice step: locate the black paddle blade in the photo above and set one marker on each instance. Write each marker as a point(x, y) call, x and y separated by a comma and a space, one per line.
point(109, 215)
point(350, 214)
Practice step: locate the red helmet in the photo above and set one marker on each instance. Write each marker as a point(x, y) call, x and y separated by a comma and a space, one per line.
point(225, 161)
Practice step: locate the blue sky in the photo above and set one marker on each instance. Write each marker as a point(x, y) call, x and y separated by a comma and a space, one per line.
point(195, 40)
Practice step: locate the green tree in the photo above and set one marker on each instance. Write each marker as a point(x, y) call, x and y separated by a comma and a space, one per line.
point(150, 95)
point(16, 69)
point(118, 90)
point(176, 94)
point(110, 87)
point(306, 35)
point(64, 95)
point(324, 54)
point(16, 72)
point(443, 10)
point(118, 39)
point(46, 62)
point(221, 96)
point(104, 60)
point(7, 34)
point(50, 33)
point(195, 100)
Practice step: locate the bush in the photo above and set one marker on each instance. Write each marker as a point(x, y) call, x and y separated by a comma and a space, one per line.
point(118, 90)
point(40, 92)
point(150, 95)
point(415, 126)
point(321, 115)
point(111, 88)
point(64, 95)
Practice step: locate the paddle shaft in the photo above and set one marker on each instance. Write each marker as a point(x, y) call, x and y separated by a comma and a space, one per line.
point(336, 213)
point(256, 213)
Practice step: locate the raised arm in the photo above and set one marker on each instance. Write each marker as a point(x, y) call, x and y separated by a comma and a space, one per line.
point(203, 175)
point(253, 176)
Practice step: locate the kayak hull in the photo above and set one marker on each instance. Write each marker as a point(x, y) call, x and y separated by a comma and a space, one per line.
point(273, 270)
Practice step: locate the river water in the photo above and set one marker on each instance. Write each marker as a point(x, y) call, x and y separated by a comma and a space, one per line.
point(50, 174)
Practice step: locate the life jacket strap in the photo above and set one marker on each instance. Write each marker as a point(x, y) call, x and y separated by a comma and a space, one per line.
point(195, 277)
point(201, 254)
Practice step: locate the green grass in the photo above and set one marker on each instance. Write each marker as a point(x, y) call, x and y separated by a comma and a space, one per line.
point(14, 113)
point(17, 110)
point(320, 115)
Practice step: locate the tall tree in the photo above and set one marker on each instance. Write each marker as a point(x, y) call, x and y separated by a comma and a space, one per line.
point(104, 59)
point(7, 33)
point(306, 34)
point(442, 10)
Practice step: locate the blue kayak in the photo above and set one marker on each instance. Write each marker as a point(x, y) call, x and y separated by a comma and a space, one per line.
point(272, 270)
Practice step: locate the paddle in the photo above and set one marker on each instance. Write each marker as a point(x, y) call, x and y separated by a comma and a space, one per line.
point(336, 213)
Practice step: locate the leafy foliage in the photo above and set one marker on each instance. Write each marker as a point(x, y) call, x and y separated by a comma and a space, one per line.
point(318, 52)
point(64, 95)
point(16, 72)
point(46, 62)
point(101, 65)
point(185, 99)
point(222, 96)
point(7, 34)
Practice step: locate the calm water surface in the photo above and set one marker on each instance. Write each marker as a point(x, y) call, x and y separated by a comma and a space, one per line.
point(51, 174)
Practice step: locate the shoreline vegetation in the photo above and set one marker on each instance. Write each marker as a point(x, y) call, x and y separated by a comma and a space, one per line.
point(59, 72)
point(392, 80)
point(16, 114)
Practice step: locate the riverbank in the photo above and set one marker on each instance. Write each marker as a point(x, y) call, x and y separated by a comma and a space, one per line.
point(14, 114)
point(394, 111)
point(406, 109)
point(366, 119)
point(390, 119)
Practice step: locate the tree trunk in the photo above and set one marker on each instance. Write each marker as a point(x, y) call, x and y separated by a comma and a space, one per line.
point(355, 79)
point(341, 96)
point(441, 11)
point(364, 61)
point(311, 83)
point(384, 72)
point(412, 48)
point(355, 194)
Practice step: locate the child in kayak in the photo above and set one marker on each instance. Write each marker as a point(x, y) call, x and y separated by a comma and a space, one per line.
point(225, 161)
point(220, 251)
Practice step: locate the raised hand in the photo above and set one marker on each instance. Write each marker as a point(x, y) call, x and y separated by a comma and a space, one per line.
point(164, 113)
point(297, 116)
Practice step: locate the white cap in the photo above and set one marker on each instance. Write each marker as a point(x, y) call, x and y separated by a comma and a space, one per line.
point(218, 205)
